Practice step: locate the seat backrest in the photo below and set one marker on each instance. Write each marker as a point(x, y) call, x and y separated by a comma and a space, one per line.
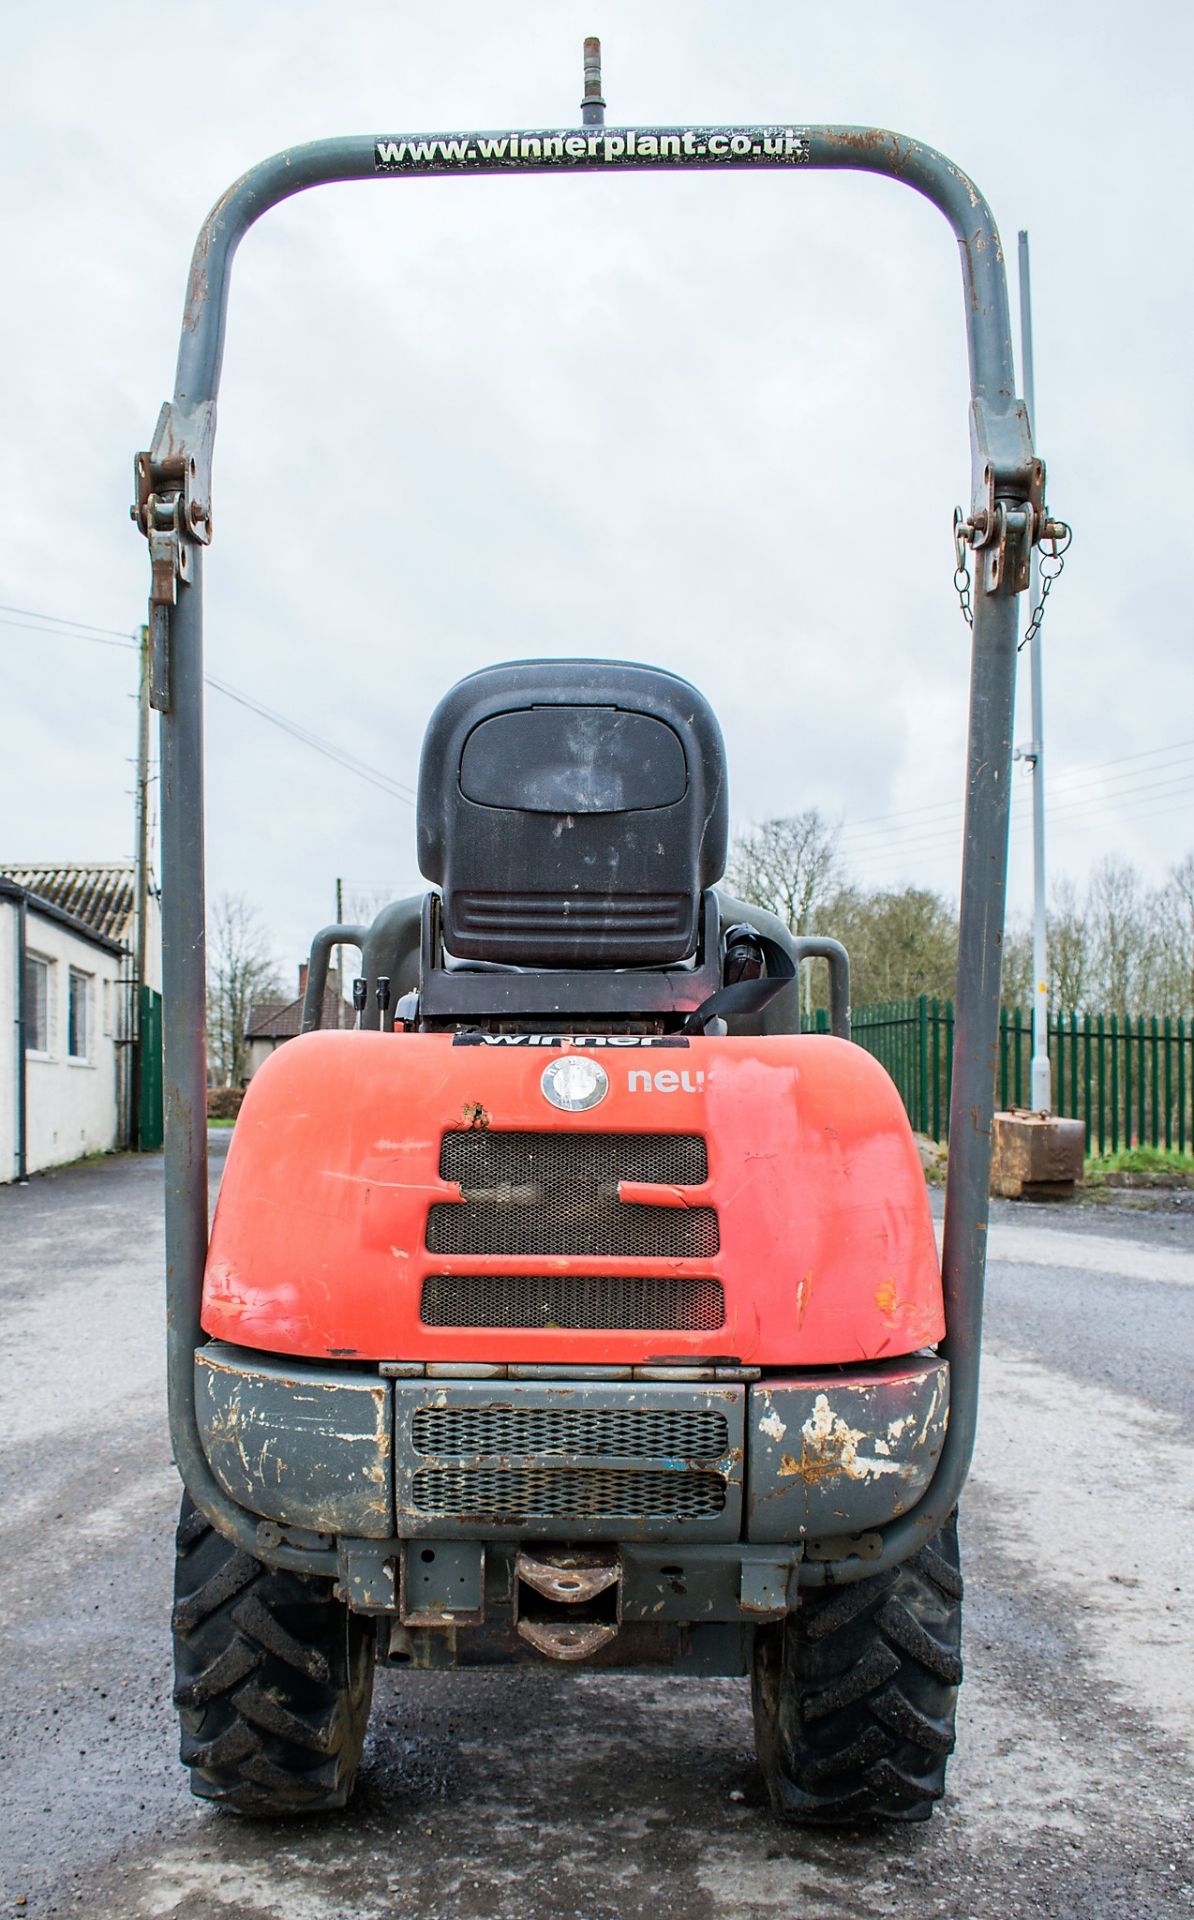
point(572, 812)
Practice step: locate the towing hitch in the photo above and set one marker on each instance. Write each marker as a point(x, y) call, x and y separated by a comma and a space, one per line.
point(568, 1603)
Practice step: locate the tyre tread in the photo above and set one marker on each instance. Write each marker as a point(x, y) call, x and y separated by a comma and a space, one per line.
point(272, 1679)
point(856, 1693)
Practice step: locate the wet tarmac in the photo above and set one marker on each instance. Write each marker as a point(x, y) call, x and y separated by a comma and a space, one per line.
point(553, 1796)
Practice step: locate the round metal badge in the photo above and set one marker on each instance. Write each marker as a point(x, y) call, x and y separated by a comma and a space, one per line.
point(574, 1083)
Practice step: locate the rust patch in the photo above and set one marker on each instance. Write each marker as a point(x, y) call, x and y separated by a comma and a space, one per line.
point(475, 1116)
point(804, 1287)
point(830, 1450)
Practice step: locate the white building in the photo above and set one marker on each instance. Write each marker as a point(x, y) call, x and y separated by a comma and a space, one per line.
point(66, 985)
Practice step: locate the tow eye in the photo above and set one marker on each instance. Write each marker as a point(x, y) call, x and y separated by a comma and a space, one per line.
point(568, 1602)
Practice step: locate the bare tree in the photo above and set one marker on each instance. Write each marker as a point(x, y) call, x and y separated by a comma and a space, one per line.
point(1071, 964)
point(901, 942)
point(1117, 911)
point(1015, 975)
point(1179, 931)
point(240, 970)
point(788, 866)
point(363, 904)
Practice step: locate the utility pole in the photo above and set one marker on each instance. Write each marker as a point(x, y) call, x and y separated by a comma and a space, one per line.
point(1034, 753)
point(140, 888)
point(338, 954)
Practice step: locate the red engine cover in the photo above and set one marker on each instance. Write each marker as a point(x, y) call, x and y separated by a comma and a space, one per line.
point(826, 1250)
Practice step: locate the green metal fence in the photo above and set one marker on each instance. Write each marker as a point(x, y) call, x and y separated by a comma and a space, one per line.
point(149, 1073)
point(1128, 1078)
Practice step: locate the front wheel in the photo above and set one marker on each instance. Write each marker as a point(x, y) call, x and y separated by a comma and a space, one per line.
point(273, 1678)
point(855, 1693)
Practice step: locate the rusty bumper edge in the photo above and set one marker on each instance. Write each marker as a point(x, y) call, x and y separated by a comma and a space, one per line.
point(838, 1455)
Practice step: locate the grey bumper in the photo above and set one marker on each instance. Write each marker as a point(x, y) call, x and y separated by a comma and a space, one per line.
point(801, 1457)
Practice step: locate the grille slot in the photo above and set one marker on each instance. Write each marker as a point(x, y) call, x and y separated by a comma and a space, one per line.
point(631, 1432)
point(512, 1495)
point(609, 1302)
point(557, 1193)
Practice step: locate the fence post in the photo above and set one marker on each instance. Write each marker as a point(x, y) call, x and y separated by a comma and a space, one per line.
point(1003, 1058)
point(1102, 1095)
point(1181, 1083)
point(922, 1059)
point(949, 1055)
point(1059, 1076)
point(1086, 1076)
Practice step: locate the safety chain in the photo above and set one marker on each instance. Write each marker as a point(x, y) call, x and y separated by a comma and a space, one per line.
point(1055, 542)
point(1054, 547)
point(962, 569)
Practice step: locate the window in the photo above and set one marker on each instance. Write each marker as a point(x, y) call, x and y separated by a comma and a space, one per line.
point(37, 1004)
point(78, 1014)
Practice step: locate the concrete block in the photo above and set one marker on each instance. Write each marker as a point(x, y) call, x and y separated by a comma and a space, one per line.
point(1036, 1156)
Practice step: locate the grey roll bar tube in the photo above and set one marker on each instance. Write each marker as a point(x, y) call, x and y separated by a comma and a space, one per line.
point(1007, 506)
point(814, 946)
point(317, 969)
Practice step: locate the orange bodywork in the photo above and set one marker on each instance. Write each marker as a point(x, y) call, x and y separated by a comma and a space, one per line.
point(826, 1247)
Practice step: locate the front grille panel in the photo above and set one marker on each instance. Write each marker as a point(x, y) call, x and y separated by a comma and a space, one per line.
point(557, 1193)
point(630, 1432)
point(510, 1495)
point(607, 1302)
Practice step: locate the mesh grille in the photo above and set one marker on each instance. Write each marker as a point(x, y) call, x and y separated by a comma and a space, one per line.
point(612, 1302)
point(631, 1432)
point(510, 1495)
point(557, 1193)
point(480, 1161)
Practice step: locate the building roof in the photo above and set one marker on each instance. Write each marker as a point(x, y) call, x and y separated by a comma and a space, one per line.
point(283, 1019)
point(14, 890)
point(99, 896)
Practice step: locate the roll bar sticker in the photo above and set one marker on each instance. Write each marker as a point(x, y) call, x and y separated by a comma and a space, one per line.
point(566, 148)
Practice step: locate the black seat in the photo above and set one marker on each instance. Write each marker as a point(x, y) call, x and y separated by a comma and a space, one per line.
point(573, 813)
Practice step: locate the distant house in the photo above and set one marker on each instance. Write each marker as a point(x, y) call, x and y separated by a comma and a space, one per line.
point(272, 1022)
point(66, 1015)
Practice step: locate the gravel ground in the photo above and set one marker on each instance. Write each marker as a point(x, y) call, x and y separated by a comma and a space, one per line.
point(549, 1796)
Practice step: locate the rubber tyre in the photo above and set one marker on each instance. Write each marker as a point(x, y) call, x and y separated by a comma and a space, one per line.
point(855, 1693)
point(273, 1679)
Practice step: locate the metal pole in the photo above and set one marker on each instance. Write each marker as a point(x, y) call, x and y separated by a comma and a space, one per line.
point(1034, 753)
point(22, 1043)
point(140, 894)
point(592, 107)
point(338, 956)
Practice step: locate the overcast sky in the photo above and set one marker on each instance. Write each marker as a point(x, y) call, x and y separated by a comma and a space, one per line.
point(717, 423)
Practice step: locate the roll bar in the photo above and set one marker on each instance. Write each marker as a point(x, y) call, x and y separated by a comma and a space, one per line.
point(1007, 518)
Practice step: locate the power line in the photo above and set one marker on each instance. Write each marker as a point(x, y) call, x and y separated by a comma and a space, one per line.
point(60, 620)
point(351, 764)
point(104, 637)
point(96, 639)
point(1065, 788)
point(1064, 803)
point(1062, 788)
